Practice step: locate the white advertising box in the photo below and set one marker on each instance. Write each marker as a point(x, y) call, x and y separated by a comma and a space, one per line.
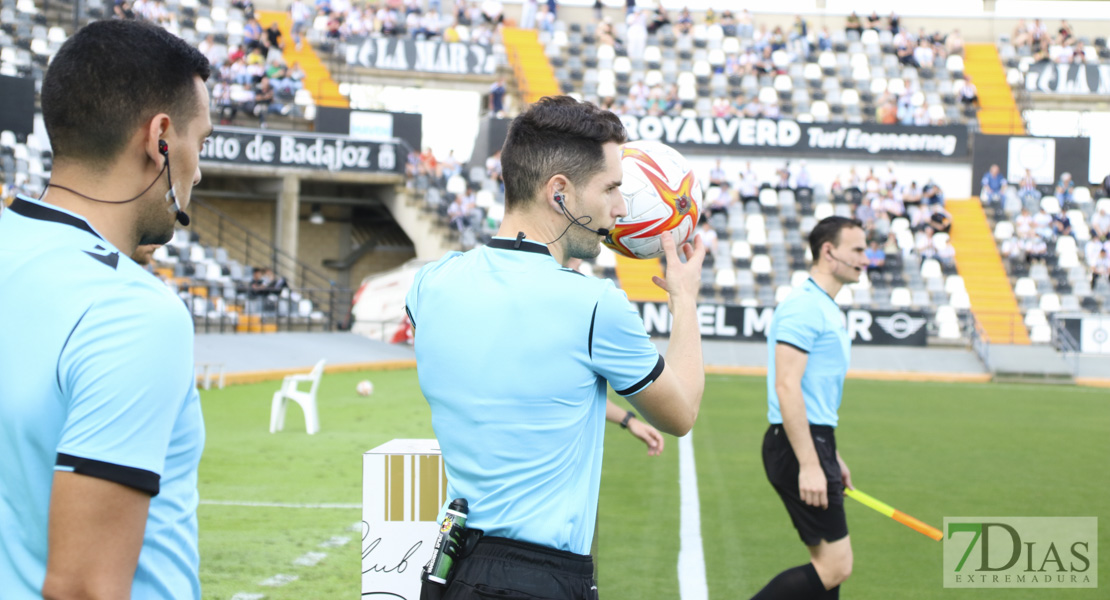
point(403, 487)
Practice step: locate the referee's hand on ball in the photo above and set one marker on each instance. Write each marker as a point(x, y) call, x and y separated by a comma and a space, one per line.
point(683, 279)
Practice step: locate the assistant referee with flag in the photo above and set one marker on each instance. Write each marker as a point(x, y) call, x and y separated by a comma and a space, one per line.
point(514, 351)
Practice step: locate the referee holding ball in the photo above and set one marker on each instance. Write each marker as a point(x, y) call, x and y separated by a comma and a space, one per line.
point(809, 351)
point(514, 351)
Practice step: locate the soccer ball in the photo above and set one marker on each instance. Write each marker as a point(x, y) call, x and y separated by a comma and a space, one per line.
point(364, 388)
point(663, 196)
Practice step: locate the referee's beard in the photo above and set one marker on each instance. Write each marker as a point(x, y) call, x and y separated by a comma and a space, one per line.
point(155, 221)
point(582, 244)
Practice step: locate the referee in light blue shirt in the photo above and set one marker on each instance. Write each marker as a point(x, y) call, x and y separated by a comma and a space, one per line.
point(808, 355)
point(100, 422)
point(514, 353)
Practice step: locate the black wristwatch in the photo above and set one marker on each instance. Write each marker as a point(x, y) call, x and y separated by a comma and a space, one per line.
point(627, 417)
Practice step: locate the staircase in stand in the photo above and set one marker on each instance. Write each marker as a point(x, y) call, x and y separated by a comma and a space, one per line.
point(318, 81)
point(998, 112)
point(992, 297)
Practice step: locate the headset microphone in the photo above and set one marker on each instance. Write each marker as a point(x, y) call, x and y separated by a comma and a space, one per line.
point(560, 199)
point(833, 256)
point(171, 196)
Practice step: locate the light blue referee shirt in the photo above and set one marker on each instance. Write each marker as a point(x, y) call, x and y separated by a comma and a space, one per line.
point(810, 320)
point(96, 377)
point(513, 352)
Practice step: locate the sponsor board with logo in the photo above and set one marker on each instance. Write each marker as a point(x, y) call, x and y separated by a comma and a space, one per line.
point(750, 323)
point(1068, 78)
point(424, 56)
point(1092, 332)
point(1021, 552)
point(258, 147)
point(787, 135)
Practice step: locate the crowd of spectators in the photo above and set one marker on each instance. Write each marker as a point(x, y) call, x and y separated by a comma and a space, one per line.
point(875, 198)
point(1045, 46)
point(463, 21)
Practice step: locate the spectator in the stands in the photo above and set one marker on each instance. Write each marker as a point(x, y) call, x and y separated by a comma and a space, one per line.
point(946, 254)
point(708, 237)
point(1027, 190)
point(301, 14)
point(685, 22)
point(717, 174)
point(1100, 225)
point(924, 244)
point(273, 39)
point(932, 195)
point(783, 181)
point(852, 23)
point(954, 44)
point(865, 214)
point(1105, 188)
point(528, 11)
point(911, 195)
point(719, 204)
point(1023, 223)
point(1061, 225)
point(969, 94)
point(265, 102)
point(939, 220)
point(874, 21)
point(659, 19)
point(428, 163)
point(802, 179)
point(749, 184)
point(745, 24)
point(1065, 34)
point(824, 39)
point(924, 55)
point(1042, 224)
point(895, 22)
point(450, 166)
point(1100, 268)
point(728, 23)
point(223, 102)
point(458, 213)
point(1092, 249)
point(252, 34)
point(497, 98)
point(1065, 190)
point(876, 257)
point(993, 186)
point(1035, 248)
point(493, 167)
point(799, 36)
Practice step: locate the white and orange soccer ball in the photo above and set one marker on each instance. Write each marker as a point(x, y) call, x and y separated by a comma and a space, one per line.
point(364, 388)
point(663, 197)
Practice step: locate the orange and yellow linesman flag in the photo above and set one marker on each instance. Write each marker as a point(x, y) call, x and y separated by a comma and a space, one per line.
point(897, 515)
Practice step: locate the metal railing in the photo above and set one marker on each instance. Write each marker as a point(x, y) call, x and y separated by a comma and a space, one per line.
point(980, 342)
point(218, 229)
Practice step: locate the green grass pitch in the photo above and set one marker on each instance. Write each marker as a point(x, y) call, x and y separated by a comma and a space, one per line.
point(930, 450)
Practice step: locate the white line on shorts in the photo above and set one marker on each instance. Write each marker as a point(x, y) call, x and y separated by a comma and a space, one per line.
point(278, 504)
point(691, 556)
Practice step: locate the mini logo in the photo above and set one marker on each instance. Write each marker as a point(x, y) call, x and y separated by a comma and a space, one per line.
point(900, 325)
point(1021, 552)
point(109, 258)
point(682, 203)
point(1099, 336)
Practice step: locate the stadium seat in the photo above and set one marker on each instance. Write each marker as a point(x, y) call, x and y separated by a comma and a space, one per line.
point(1040, 334)
point(930, 269)
point(307, 400)
point(1035, 317)
point(960, 300)
point(1003, 231)
point(1082, 195)
point(900, 297)
point(953, 284)
point(1050, 205)
point(949, 331)
point(1050, 303)
point(1025, 287)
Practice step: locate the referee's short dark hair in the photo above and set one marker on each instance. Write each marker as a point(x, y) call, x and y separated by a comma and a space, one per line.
point(111, 77)
point(557, 135)
point(828, 230)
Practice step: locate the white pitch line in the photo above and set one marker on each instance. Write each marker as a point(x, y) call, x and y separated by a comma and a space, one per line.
point(278, 504)
point(310, 559)
point(691, 556)
point(279, 580)
point(246, 596)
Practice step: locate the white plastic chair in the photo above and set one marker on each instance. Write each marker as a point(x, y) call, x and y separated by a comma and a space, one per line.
point(307, 400)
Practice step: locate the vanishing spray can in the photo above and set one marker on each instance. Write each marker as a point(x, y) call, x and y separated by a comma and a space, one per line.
point(448, 542)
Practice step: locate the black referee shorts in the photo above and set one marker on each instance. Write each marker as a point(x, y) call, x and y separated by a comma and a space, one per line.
point(513, 570)
point(781, 464)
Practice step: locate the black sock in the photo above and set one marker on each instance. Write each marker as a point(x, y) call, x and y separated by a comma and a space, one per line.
point(833, 594)
point(799, 583)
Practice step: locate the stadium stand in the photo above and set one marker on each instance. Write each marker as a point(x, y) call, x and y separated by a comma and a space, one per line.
point(848, 76)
